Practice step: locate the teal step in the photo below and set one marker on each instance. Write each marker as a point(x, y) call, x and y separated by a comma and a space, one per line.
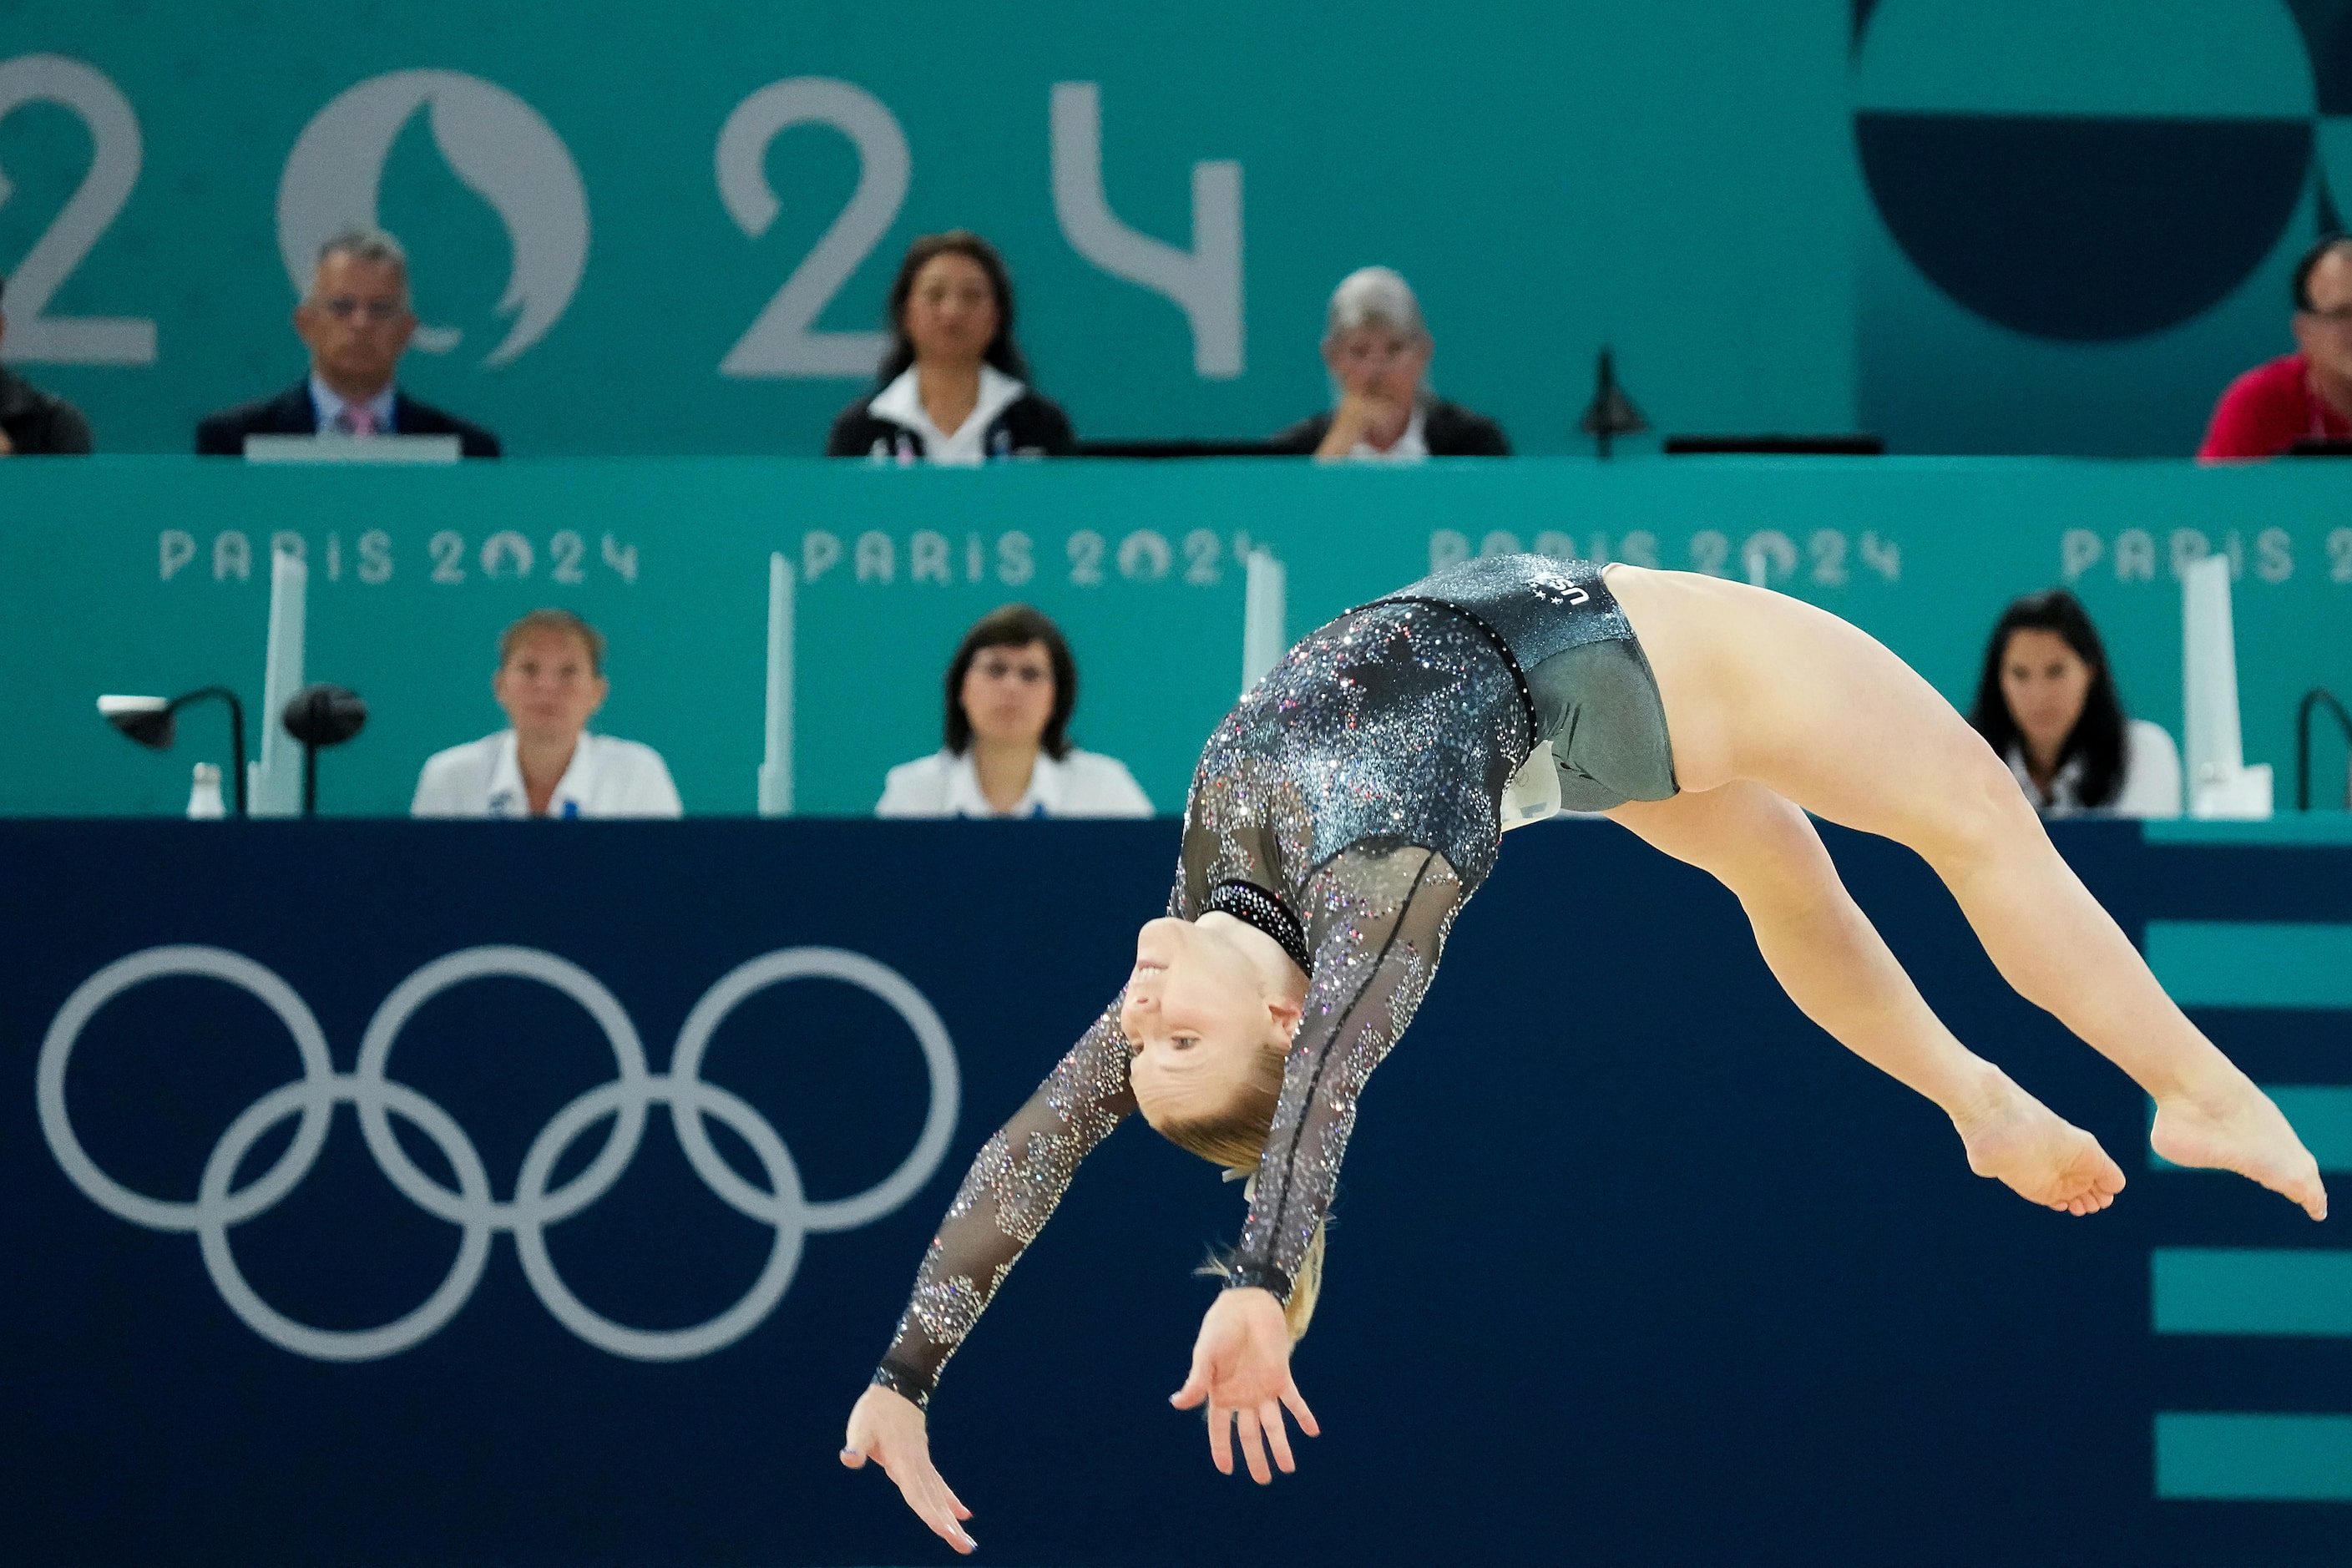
point(2212, 964)
point(2251, 1291)
point(2209, 1456)
point(2330, 826)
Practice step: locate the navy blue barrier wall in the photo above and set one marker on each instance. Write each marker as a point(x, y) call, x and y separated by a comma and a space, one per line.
point(1633, 1264)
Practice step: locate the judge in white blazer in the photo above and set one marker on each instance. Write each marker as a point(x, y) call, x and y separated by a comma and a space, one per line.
point(551, 681)
point(1010, 691)
point(2046, 702)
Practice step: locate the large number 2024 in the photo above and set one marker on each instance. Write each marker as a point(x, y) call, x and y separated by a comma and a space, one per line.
point(1205, 281)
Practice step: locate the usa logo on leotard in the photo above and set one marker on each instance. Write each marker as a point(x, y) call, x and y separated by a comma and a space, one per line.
point(1558, 588)
point(220, 1206)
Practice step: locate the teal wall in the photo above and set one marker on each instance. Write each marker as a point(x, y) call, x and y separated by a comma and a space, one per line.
point(1977, 229)
point(2001, 227)
point(2084, 216)
point(1921, 553)
point(1666, 177)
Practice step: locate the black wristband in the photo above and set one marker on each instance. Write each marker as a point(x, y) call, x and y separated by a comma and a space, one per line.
point(1240, 1276)
point(900, 1384)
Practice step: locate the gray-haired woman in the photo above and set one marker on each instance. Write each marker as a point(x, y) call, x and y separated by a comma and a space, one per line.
point(1377, 349)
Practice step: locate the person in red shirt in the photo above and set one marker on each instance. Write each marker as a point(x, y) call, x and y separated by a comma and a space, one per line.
point(2304, 395)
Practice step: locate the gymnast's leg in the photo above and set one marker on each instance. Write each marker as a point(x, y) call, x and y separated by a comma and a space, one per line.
point(1836, 968)
point(1762, 687)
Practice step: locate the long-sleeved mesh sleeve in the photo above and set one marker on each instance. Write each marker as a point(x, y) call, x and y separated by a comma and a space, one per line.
point(1006, 1197)
point(1379, 923)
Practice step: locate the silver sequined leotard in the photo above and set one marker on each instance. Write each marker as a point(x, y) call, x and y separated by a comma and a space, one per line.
point(1348, 806)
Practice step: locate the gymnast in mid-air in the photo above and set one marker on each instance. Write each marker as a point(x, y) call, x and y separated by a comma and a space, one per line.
point(1351, 803)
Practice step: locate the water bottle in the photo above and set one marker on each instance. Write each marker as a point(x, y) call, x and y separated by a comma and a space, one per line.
point(205, 795)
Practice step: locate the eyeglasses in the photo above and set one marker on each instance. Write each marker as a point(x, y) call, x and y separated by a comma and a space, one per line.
point(376, 312)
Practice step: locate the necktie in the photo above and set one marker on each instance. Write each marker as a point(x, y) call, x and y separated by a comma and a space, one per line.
point(356, 419)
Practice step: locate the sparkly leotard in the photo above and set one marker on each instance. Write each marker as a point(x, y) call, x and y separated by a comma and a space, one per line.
point(1348, 807)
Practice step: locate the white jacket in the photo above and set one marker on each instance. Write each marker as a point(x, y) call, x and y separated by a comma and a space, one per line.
point(606, 777)
point(2151, 781)
point(1081, 784)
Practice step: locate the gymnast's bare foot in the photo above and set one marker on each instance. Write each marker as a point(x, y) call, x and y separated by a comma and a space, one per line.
point(2044, 1159)
point(2231, 1125)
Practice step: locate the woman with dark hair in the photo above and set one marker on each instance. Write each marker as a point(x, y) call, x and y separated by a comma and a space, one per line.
point(953, 385)
point(2046, 703)
point(1010, 690)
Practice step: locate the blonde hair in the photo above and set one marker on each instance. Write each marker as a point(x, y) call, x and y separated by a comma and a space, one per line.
point(1235, 1138)
point(562, 621)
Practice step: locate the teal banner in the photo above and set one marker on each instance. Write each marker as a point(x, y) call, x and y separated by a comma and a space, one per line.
point(1997, 228)
point(152, 576)
point(670, 229)
point(2084, 218)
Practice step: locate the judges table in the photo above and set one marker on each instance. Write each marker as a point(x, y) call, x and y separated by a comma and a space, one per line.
point(152, 575)
point(394, 1193)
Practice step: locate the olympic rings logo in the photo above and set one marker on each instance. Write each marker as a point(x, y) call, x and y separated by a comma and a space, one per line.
point(220, 1206)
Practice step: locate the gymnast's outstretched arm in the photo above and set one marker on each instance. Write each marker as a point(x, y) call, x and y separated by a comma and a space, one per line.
point(1379, 921)
point(1008, 1195)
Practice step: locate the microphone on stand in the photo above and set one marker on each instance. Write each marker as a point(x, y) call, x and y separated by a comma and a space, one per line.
point(1611, 413)
point(320, 716)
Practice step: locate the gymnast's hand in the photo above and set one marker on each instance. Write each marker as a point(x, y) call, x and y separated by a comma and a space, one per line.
point(888, 1428)
point(1241, 1367)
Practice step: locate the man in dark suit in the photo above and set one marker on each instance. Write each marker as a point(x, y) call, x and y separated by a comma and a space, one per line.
point(356, 323)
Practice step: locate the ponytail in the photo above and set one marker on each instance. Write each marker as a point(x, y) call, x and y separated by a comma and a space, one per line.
point(1306, 1288)
point(1299, 1311)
